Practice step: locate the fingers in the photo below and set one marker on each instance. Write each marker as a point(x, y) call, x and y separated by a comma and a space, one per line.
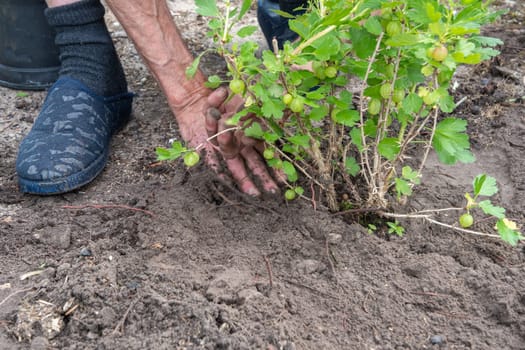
point(217, 97)
point(258, 168)
point(278, 174)
point(241, 177)
point(212, 123)
point(228, 143)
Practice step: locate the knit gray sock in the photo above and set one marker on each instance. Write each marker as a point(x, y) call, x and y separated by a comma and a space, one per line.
point(86, 50)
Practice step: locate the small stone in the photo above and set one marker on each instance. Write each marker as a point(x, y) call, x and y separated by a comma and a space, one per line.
point(436, 340)
point(334, 238)
point(248, 294)
point(39, 343)
point(85, 252)
point(133, 285)
point(310, 266)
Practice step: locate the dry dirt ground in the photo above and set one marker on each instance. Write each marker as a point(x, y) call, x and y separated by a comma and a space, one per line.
point(155, 257)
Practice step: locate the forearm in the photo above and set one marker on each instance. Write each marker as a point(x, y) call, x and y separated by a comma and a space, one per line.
point(150, 26)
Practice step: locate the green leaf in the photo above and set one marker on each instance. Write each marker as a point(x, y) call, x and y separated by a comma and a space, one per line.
point(290, 171)
point(271, 62)
point(273, 108)
point(326, 46)
point(245, 7)
point(490, 209)
point(447, 104)
point(486, 41)
point(254, 131)
point(412, 103)
point(207, 8)
point(508, 234)
point(451, 143)
point(355, 135)
point(389, 147)
point(403, 187)
point(474, 58)
point(404, 39)
point(300, 140)
point(299, 190)
point(192, 68)
point(373, 25)
point(246, 31)
point(172, 153)
point(214, 81)
point(363, 42)
point(351, 166)
point(318, 113)
point(484, 185)
point(347, 117)
point(411, 175)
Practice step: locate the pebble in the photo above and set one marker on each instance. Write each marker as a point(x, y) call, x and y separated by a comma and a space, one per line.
point(436, 339)
point(334, 238)
point(85, 252)
point(39, 343)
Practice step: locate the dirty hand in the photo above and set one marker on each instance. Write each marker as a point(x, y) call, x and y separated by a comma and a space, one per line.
point(241, 154)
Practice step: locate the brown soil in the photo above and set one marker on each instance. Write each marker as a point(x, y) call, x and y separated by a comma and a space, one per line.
point(178, 261)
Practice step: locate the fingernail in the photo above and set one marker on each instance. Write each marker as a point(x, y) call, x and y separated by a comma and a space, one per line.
point(253, 192)
point(215, 113)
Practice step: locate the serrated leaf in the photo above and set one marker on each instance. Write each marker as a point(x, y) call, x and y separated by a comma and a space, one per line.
point(234, 120)
point(246, 31)
point(162, 153)
point(351, 166)
point(451, 143)
point(447, 104)
point(347, 117)
point(172, 153)
point(363, 42)
point(507, 234)
point(474, 58)
point(214, 81)
point(290, 171)
point(299, 190)
point(355, 135)
point(254, 130)
point(410, 175)
point(485, 185)
point(273, 108)
point(490, 209)
point(412, 103)
point(403, 187)
point(403, 39)
point(389, 147)
point(318, 113)
point(192, 68)
point(373, 25)
point(326, 46)
point(487, 41)
point(300, 140)
point(245, 7)
point(207, 8)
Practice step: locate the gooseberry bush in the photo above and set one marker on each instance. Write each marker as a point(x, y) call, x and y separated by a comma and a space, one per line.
point(358, 101)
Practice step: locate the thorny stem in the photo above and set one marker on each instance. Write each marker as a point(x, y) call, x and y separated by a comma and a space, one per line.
point(322, 33)
point(226, 22)
point(429, 144)
point(300, 168)
point(201, 145)
point(368, 175)
point(429, 218)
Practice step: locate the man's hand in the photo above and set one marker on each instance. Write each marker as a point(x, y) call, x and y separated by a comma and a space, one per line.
point(241, 154)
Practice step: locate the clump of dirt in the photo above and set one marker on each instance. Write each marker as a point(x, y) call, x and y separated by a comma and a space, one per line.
point(152, 256)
